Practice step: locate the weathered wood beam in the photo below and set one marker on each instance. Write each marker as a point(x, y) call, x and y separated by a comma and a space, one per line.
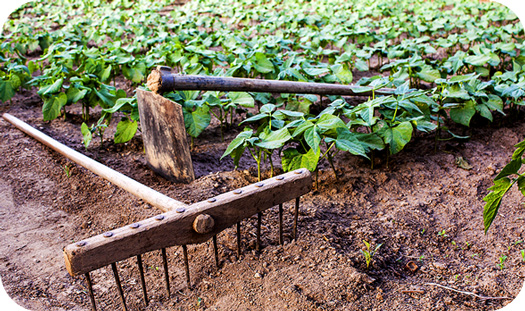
point(155, 198)
point(162, 80)
point(193, 224)
point(164, 136)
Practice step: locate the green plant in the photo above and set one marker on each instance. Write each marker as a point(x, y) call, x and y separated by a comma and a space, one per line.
point(66, 170)
point(501, 264)
point(502, 184)
point(442, 233)
point(369, 252)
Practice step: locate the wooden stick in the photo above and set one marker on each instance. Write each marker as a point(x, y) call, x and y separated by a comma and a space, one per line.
point(157, 199)
point(163, 80)
point(466, 293)
point(413, 291)
point(177, 227)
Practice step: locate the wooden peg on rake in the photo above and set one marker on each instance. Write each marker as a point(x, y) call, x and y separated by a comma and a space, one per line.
point(194, 224)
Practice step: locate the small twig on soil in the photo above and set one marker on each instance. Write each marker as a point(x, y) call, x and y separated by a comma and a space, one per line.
point(413, 291)
point(466, 293)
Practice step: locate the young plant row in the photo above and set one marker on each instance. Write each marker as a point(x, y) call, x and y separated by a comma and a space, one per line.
point(80, 59)
point(302, 139)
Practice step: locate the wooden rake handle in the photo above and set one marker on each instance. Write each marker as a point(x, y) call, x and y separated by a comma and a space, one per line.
point(193, 224)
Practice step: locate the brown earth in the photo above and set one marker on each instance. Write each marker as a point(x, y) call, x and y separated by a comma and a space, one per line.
point(403, 207)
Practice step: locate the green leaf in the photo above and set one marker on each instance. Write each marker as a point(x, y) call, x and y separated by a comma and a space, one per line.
point(237, 142)
point(312, 138)
point(135, 73)
point(521, 184)
point(463, 114)
point(370, 141)
point(425, 126)
point(6, 90)
point(74, 94)
point(106, 97)
point(315, 71)
point(262, 64)
point(126, 129)
point(274, 140)
point(520, 149)
point(477, 60)
point(342, 72)
point(510, 169)
point(397, 137)
point(52, 106)
point(51, 89)
point(347, 141)
point(242, 98)
point(106, 74)
point(361, 65)
point(292, 159)
point(86, 133)
point(493, 199)
point(428, 74)
point(197, 120)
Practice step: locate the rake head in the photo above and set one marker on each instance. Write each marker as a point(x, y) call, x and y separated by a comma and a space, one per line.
point(194, 224)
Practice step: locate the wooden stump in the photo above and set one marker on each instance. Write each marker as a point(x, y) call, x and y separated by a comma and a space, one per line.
point(164, 136)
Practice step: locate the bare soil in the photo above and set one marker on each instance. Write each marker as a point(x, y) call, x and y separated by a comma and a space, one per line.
point(402, 206)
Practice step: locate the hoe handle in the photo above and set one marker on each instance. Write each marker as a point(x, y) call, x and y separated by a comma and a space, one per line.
point(163, 80)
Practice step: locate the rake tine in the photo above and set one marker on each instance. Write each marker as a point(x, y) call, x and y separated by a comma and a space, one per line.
point(239, 240)
point(166, 272)
point(90, 289)
point(281, 240)
point(296, 216)
point(142, 280)
point(186, 265)
point(119, 286)
point(259, 219)
point(216, 251)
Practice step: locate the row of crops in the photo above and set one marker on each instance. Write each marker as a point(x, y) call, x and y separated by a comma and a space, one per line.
point(448, 62)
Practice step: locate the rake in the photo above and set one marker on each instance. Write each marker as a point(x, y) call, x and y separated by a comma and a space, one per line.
point(179, 224)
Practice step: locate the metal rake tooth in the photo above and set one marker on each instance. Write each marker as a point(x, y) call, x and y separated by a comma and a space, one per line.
point(216, 251)
point(142, 280)
point(238, 240)
point(91, 294)
point(186, 265)
point(166, 272)
point(281, 239)
point(119, 286)
point(296, 216)
point(259, 220)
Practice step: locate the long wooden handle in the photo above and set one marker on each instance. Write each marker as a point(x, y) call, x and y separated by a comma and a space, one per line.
point(196, 223)
point(163, 80)
point(155, 198)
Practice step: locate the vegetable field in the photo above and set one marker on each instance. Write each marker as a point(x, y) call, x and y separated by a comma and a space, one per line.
point(399, 176)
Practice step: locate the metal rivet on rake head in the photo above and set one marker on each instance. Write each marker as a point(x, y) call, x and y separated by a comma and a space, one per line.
point(298, 171)
point(279, 177)
point(259, 184)
point(134, 226)
point(211, 200)
point(159, 217)
point(180, 210)
point(108, 234)
point(237, 191)
point(81, 243)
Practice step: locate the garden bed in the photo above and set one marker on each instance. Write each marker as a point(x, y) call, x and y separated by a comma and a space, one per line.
point(423, 209)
